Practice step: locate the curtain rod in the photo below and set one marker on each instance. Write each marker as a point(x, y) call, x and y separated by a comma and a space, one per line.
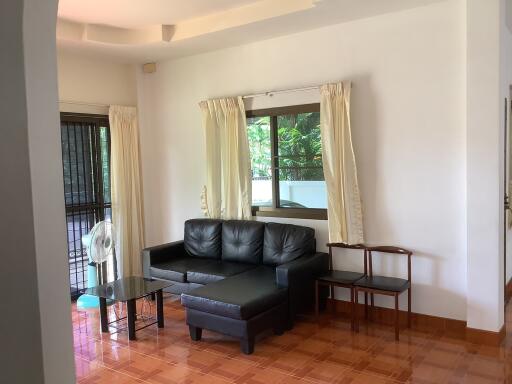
point(279, 91)
point(83, 103)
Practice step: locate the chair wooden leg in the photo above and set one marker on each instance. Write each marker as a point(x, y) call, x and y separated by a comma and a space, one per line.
point(333, 307)
point(316, 300)
point(353, 309)
point(397, 319)
point(366, 305)
point(409, 307)
point(355, 318)
point(372, 309)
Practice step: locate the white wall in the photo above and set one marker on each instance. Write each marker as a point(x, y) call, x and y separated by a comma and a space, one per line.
point(20, 364)
point(36, 323)
point(92, 80)
point(408, 114)
point(48, 189)
point(489, 76)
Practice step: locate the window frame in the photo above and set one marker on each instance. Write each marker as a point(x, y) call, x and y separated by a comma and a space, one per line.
point(276, 211)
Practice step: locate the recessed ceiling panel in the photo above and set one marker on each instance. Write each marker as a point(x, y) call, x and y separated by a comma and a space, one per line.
point(161, 29)
point(142, 13)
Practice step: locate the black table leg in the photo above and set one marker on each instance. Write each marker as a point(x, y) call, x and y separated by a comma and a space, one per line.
point(132, 312)
point(103, 314)
point(160, 308)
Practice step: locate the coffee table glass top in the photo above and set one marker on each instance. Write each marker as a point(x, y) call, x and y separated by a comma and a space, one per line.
point(127, 288)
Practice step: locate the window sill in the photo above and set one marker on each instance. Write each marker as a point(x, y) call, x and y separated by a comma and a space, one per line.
point(291, 213)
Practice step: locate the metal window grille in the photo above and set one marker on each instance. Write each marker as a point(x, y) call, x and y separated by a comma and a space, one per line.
point(86, 169)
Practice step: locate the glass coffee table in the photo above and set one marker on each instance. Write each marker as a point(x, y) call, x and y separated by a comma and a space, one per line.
point(129, 289)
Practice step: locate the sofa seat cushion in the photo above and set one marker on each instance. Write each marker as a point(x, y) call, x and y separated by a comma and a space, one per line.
point(239, 297)
point(219, 270)
point(176, 268)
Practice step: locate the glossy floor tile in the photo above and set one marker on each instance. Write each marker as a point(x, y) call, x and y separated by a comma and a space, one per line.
point(323, 351)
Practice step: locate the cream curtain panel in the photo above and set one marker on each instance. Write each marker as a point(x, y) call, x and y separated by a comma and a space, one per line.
point(227, 193)
point(127, 213)
point(343, 199)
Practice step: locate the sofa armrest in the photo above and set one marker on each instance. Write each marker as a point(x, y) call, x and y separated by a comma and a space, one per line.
point(161, 253)
point(299, 276)
point(306, 267)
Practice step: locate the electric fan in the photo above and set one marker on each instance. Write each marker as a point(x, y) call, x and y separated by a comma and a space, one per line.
point(99, 243)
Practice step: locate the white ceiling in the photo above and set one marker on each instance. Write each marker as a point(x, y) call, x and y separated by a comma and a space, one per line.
point(142, 13)
point(163, 29)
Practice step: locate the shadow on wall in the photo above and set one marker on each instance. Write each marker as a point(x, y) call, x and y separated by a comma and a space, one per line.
point(426, 292)
point(365, 136)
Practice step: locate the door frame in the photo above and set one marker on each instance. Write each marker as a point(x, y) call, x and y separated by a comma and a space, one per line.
point(506, 180)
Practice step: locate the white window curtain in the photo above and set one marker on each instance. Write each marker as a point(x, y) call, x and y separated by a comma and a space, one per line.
point(127, 211)
point(227, 193)
point(343, 199)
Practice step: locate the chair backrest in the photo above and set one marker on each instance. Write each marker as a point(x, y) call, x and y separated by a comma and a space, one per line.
point(347, 246)
point(389, 249)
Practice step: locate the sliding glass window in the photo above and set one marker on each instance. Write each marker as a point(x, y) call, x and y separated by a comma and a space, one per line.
point(286, 161)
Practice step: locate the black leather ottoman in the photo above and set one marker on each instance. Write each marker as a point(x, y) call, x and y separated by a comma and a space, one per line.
point(241, 306)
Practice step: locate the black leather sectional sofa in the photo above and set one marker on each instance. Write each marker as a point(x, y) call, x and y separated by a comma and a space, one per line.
point(240, 277)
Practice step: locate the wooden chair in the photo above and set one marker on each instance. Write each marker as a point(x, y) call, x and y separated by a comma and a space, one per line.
point(382, 285)
point(343, 279)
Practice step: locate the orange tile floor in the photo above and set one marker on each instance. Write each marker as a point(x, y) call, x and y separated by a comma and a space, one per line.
point(313, 352)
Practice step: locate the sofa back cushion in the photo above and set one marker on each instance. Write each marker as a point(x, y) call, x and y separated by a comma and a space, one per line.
point(203, 238)
point(242, 241)
point(286, 242)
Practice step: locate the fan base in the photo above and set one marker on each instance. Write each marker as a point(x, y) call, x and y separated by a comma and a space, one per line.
point(86, 302)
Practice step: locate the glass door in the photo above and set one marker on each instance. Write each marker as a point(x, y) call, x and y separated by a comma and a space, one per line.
point(86, 168)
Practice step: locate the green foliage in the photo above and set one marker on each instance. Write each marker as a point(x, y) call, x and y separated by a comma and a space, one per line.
point(258, 131)
point(299, 146)
point(105, 162)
